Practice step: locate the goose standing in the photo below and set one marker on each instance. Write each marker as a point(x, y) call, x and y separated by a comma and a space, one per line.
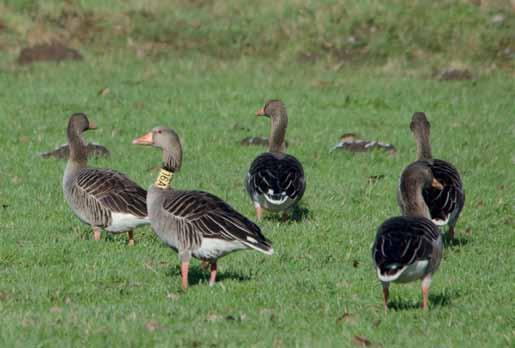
point(275, 180)
point(102, 198)
point(409, 247)
point(444, 205)
point(195, 223)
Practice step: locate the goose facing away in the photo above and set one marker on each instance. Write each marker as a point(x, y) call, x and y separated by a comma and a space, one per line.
point(275, 180)
point(102, 198)
point(409, 247)
point(445, 204)
point(195, 223)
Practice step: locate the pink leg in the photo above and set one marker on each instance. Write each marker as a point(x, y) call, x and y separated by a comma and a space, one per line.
point(96, 233)
point(184, 274)
point(212, 278)
point(130, 240)
point(259, 212)
point(426, 282)
point(385, 298)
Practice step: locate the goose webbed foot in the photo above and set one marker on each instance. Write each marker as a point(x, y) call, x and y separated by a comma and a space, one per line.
point(212, 277)
point(96, 233)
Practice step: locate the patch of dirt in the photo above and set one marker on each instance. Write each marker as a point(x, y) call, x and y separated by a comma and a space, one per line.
point(455, 75)
point(48, 52)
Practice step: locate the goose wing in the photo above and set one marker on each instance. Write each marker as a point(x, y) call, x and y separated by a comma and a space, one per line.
point(451, 199)
point(401, 241)
point(276, 172)
point(112, 190)
point(200, 215)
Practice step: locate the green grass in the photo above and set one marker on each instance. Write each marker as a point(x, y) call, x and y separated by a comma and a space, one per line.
point(426, 35)
point(60, 288)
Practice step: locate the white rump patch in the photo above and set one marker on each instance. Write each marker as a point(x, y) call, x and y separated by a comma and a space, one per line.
point(276, 201)
point(407, 273)
point(122, 222)
point(252, 240)
point(439, 222)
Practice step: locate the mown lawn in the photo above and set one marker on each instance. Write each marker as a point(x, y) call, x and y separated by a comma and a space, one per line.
point(60, 288)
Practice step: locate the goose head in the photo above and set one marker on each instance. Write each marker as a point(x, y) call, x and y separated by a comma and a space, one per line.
point(276, 111)
point(79, 123)
point(419, 122)
point(168, 141)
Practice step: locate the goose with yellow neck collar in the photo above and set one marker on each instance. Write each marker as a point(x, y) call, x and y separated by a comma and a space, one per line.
point(194, 223)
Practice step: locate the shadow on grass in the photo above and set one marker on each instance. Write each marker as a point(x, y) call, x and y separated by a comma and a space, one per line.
point(298, 214)
point(197, 275)
point(453, 243)
point(435, 300)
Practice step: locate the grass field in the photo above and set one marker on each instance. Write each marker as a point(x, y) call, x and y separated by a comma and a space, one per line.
point(59, 288)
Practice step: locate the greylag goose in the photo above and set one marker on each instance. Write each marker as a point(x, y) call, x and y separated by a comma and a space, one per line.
point(275, 180)
point(351, 142)
point(195, 223)
point(102, 198)
point(444, 205)
point(409, 247)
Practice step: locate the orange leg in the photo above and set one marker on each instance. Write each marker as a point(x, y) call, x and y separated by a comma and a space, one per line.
point(385, 297)
point(96, 233)
point(259, 212)
point(426, 282)
point(130, 240)
point(212, 278)
point(184, 274)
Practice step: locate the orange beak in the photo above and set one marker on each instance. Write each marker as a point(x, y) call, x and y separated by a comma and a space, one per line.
point(260, 112)
point(146, 139)
point(92, 125)
point(437, 184)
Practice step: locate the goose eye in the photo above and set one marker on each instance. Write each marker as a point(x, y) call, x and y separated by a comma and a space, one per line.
point(159, 132)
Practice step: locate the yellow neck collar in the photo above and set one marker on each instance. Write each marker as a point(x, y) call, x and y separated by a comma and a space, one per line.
point(164, 178)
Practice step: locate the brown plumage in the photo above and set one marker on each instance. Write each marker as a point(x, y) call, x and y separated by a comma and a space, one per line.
point(195, 223)
point(102, 198)
point(445, 205)
point(409, 247)
point(275, 180)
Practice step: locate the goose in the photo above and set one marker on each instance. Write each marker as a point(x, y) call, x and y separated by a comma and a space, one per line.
point(102, 198)
point(445, 205)
point(409, 247)
point(275, 180)
point(351, 142)
point(194, 223)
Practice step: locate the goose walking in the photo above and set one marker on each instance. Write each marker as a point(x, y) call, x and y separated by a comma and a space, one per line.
point(195, 223)
point(102, 198)
point(409, 247)
point(275, 180)
point(445, 205)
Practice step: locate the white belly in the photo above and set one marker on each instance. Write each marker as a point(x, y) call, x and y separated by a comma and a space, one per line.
point(214, 248)
point(122, 222)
